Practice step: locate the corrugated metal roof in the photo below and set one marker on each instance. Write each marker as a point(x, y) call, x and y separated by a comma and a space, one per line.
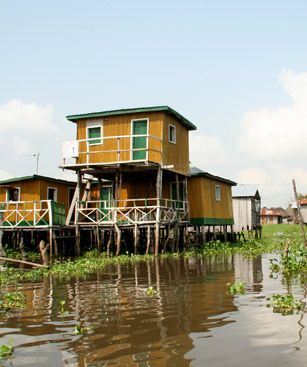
point(245, 190)
point(126, 111)
point(195, 171)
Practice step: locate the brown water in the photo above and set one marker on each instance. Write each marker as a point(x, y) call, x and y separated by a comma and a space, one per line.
point(190, 321)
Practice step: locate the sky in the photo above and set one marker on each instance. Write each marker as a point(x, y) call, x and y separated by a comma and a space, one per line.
point(236, 69)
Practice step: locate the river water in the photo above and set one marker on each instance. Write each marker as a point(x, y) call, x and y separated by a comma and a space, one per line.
point(189, 320)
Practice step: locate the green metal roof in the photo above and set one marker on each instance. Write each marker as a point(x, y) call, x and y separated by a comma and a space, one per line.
point(166, 109)
point(197, 172)
point(35, 177)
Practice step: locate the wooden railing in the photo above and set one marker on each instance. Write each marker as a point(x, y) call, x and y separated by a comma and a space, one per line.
point(131, 212)
point(111, 149)
point(40, 213)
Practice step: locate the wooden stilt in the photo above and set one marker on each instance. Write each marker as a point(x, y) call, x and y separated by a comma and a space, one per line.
point(136, 238)
point(118, 239)
point(157, 238)
point(148, 240)
point(109, 241)
point(51, 244)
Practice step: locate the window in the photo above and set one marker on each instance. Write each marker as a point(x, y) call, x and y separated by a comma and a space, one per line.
point(218, 193)
point(172, 134)
point(92, 133)
point(52, 193)
point(180, 196)
point(13, 194)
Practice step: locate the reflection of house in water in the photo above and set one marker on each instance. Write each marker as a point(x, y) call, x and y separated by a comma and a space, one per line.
point(129, 326)
point(248, 270)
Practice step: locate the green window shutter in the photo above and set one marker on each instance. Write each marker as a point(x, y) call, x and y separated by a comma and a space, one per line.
point(94, 132)
point(138, 142)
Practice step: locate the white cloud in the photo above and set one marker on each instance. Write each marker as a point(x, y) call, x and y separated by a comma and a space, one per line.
point(5, 175)
point(16, 116)
point(280, 133)
point(206, 152)
point(275, 182)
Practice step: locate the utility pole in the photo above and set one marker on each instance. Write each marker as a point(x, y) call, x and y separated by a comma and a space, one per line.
point(299, 213)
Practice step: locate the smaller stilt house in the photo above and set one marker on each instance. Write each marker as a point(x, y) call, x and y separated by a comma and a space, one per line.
point(34, 203)
point(210, 204)
point(246, 208)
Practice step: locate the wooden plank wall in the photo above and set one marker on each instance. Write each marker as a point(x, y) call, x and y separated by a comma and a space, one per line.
point(118, 126)
point(202, 199)
point(176, 154)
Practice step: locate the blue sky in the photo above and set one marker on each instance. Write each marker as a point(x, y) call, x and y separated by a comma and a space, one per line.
point(213, 61)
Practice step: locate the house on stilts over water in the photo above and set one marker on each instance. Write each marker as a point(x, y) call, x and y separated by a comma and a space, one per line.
point(140, 159)
point(134, 192)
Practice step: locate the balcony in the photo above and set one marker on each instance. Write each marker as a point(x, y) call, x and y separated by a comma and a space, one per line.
point(112, 150)
point(38, 214)
point(131, 212)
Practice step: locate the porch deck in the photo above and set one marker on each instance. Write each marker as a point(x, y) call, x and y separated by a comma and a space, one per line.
point(36, 214)
point(131, 212)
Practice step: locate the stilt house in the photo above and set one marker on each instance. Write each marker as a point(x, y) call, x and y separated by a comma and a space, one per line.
point(143, 153)
point(246, 208)
point(210, 203)
point(34, 202)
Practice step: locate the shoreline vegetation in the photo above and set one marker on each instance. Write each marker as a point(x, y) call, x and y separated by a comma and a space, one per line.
point(282, 240)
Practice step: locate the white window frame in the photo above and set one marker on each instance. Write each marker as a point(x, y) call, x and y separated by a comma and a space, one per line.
point(218, 192)
point(55, 193)
point(170, 126)
point(94, 125)
point(7, 194)
point(131, 137)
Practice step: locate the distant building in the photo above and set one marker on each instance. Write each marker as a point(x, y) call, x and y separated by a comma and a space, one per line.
point(303, 207)
point(274, 215)
point(246, 203)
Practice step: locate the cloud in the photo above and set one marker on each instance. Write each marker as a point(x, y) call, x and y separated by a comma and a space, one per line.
point(206, 152)
point(5, 175)
point(281, 133)
point(17, 116)
point(275, 182)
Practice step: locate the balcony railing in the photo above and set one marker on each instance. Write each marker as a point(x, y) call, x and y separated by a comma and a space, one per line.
point(112, 149)
point(131, 212)
point(41, 213)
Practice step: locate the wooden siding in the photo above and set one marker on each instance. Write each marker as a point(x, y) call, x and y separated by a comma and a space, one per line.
point(35, 190)
point(176, 154)
point(119, 126)
point(203, 205)
point(168, 154)
point(242, 212)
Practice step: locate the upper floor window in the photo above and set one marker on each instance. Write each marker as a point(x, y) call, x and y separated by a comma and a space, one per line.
point(218, 193)
point(13, 194)
point(52, 193)
point(94, 133)
point(172, 134)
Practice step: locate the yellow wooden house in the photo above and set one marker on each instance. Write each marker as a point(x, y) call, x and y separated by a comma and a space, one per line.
point(140, 157)
point(34, 201)
point(210, 200)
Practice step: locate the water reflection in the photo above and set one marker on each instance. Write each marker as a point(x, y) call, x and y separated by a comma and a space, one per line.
point(127, 326)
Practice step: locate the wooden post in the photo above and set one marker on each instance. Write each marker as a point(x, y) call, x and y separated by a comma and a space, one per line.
point(118, 238)
point(159, 194)
point(109, 241)
point(77, 231)
point(51, 244)
point(136, 238)
point(148, 240)
point(299, 213)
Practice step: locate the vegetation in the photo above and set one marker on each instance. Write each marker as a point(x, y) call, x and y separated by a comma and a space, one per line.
point(236, 288)
point(11, 300)
point(151, 291)
point(6, 350)
point(285, 304)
